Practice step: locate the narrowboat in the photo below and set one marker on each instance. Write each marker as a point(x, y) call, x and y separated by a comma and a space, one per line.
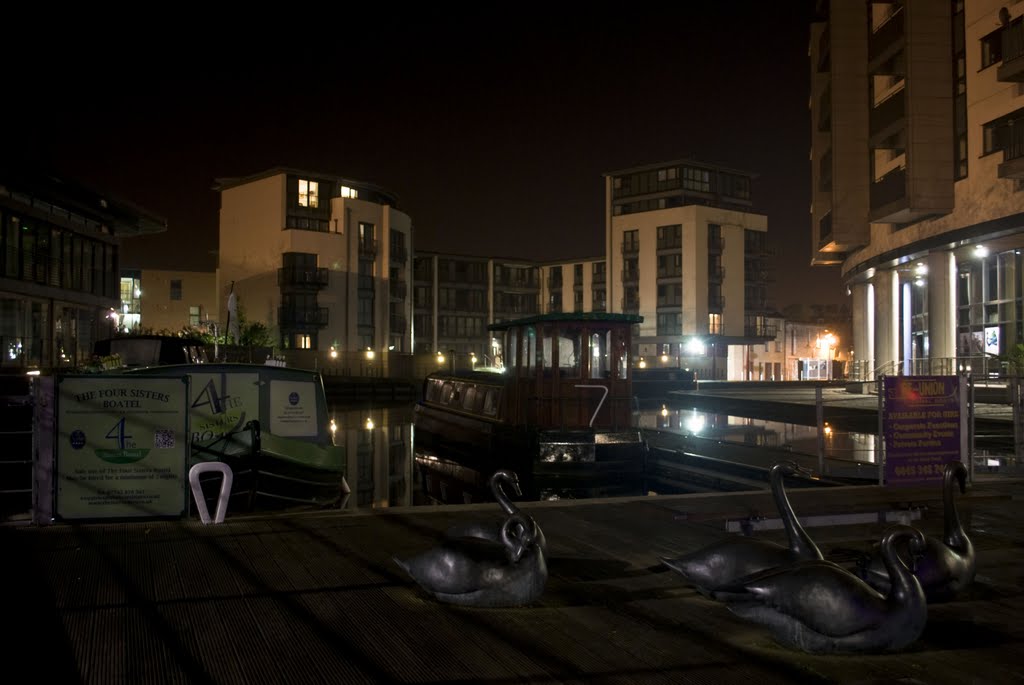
point(557, 403)
point(271, 425)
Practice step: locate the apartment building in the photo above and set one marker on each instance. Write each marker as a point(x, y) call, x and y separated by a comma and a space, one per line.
point(686, 250)
point(917, 159)
point(577, 285)
point(457, 296)
point(59, 277)
point(324, 261)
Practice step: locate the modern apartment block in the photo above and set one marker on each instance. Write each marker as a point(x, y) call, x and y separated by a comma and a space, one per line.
point(457, 296)
point(578, 285)
point(324, 261)
point(59, 277)
point(685, 250)
point(917, 158)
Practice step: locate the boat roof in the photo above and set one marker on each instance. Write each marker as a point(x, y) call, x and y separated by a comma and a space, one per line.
point(582, 317)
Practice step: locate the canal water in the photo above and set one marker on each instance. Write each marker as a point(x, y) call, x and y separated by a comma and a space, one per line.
point(386, 469)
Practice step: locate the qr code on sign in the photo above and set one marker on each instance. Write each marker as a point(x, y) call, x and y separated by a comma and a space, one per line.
point(164, 439)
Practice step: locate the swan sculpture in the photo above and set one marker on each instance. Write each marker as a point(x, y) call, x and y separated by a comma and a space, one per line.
point(821, 608)
point(488, 530)
point(474, 573)
point(717, 565)
point(946, 566)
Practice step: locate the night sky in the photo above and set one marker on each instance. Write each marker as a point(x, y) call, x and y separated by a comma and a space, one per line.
point(493, 129)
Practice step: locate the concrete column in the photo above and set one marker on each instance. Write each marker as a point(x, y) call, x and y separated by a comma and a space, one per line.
point(863, 342)
point(942, 312)
point(906, 328)
point(887, 312)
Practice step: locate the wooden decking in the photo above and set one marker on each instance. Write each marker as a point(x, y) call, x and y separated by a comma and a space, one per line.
point(317, 598)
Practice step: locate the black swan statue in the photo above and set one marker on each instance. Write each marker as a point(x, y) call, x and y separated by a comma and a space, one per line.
point(821, 608)
point(717, 565)
point(474, 573)
point(946, 566)
point(491, 530)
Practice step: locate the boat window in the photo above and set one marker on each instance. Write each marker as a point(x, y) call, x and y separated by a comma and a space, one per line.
point(508, 355)
point(599, 342)
point(546, 349)
point(620, 353)
point(471, 399)
point(531, 350)
point(569, 343)
point(446, 393)
point(491, 402)
point(433, 390)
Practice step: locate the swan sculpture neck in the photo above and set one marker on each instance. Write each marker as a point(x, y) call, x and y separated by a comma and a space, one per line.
point(517, 534)
point(953, 532)
point(504, 502)
point(799, 541)
point(904, 586)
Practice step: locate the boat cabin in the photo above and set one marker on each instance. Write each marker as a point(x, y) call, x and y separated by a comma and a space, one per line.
point(568, 371)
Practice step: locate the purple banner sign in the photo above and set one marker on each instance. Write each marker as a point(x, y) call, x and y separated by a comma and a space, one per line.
point(921, 422)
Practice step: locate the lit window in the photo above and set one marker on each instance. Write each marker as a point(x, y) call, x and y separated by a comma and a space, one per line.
point(349, 192)
point(303, 342)
point(193, 316)
point(309, 193)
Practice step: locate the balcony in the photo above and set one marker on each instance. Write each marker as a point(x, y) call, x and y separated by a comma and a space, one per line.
point(716, 303)
point(756, 330)
point(397, 324)
point(630, 276)
point(1013, 154)
point(825, 230)
point(517, 282)
point(298, 277)
point(889, 189)
point(716, 273)
point(399, 254)
point(367, 247)
point(365, 283)
point(672, 243)
point(715, 243)
point(630, 305)
point(670, 272)
point(888, 38)
point(555, 282)
point(1012, 68)
point(887, 117)
point(296, 317)
point(399, 290)
point(630, 247)
point(599, 278)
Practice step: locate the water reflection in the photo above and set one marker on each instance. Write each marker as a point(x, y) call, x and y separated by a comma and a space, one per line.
point(385, 469)
point(838, 444)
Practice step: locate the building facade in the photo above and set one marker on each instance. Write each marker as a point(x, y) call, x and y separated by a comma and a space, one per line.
point(457, 296)
point(917, 165)
point(577, 285)
point(59, 284)
point(685, 250)
point(324, 261)
point(162, 300)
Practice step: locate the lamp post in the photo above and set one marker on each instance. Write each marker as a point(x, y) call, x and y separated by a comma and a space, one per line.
point(827, 343)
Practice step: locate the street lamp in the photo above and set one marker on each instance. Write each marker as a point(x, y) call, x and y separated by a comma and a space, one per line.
point(827, 343)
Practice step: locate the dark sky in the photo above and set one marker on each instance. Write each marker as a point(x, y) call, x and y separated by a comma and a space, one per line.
point(493, 129)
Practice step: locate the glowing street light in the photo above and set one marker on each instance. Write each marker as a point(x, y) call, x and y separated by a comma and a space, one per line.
point(440, 359)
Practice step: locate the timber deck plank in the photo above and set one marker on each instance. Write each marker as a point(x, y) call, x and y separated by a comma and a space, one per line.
point(317, 598)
